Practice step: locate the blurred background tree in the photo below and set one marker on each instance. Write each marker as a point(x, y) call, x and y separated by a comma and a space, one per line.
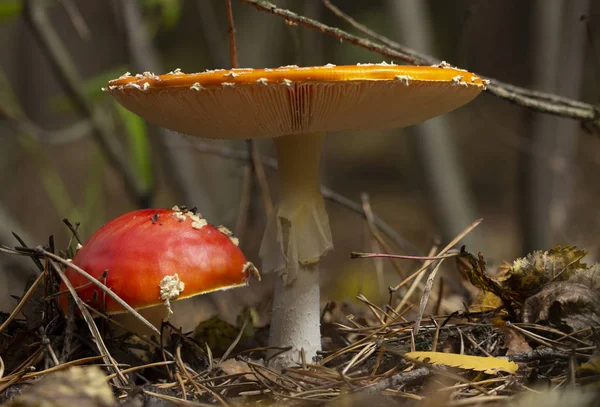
point(67, 150)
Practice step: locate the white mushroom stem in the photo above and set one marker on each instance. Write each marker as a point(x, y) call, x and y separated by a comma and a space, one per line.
point(297, 236)
point(295, 321)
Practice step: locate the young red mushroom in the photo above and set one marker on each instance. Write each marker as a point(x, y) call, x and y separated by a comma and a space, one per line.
point(156, 256)
point(297, 106)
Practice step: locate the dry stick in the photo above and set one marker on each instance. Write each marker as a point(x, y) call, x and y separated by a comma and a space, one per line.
point(101, 286)
point(198, 386)
point(419, 276)
point(386, 247)
point(175, 400)
point(414, 57)
point(374, 308)
point(440, 295)
point(366, 204)
point(254, 165)
point(136, 368)
point(31, 361)
point(261, 177)
point(539, 101)
point(23, 301)
point(235, 342)
point(66, 72)
point(425, 297)
point(402, 378)
point(435, 141)
point(443, 251)
point(108, 359)
point(231, 30)
point(338, 12)
point(360, 341)
point(144, 57)
point(429, 262)
point(16, 378)
point(244, 206)
point(359, 255)
point(436, 337)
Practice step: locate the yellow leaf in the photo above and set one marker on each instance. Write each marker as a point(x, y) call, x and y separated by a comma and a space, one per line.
point(486, 364)
point(593, 366)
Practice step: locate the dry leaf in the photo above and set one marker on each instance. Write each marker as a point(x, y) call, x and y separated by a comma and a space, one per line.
point(566, 305)
point(74, 387)
point(526, 277)
point(529, 274)
point(234, 367)
point(474, 270)
point(592, 367)
point(514, 341)
point(486, 364)
point(574, 396)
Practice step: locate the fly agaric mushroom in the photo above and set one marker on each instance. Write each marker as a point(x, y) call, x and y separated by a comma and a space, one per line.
point(297, 106)
point(155, 256)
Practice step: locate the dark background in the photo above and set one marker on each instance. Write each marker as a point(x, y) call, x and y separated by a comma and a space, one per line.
point(532, 178)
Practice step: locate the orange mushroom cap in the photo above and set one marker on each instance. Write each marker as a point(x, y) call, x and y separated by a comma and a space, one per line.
point(254, 103)
point(151, 252)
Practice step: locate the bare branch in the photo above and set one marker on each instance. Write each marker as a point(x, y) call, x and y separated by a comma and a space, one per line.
point(188, 184)
point(327, 193)
point(66, 72)
point(535, 100)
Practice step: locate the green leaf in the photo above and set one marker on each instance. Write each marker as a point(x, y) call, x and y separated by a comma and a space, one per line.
point(10, 9)
point(139, 144)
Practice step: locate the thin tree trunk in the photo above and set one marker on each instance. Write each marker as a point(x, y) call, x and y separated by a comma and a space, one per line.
point(558, 49)
point(446, 181)
point(187, 179)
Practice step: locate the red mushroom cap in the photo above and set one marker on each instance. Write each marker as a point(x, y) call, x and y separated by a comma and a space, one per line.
point(147, 252)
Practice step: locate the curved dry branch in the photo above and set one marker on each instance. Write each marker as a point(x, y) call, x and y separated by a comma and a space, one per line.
point(586, 113)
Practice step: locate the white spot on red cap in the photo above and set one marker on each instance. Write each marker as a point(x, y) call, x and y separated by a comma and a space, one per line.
point(179, 216)
point(251, 270)
point(199, 224)
point(171, 288)
point(229, 234)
